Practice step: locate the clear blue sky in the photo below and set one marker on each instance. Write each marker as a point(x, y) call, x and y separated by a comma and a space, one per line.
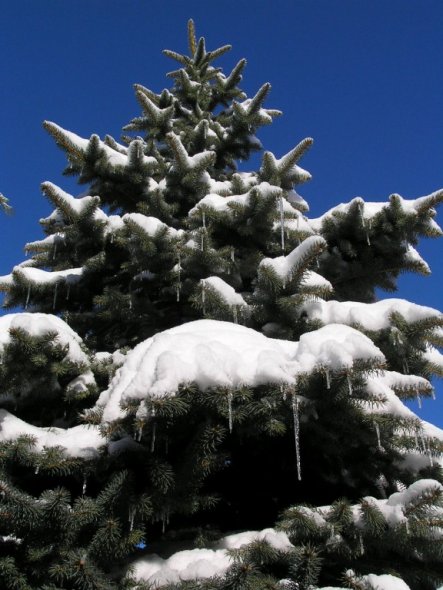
point(363, 78)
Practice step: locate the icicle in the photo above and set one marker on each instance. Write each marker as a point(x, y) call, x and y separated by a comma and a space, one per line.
point(423, 443)
point(416, 440)
point(419, 401)
point(203, 299)
point(68, 292)
point(154, 432)
point(282, 225)
point(55, 296)
point(230, 397)
point(332, 532)
point(328, 379)
point(296, 418)
point(405, 367)
point(368, 240)
point(178, 286)
point(232, 254)
point(28, 295)
point(283, 392)
point(433, 395)
point(317, 262)
point(112, 239)
point(407, 526)
point(131, 518)
point(348, 377)
point(84, 486)
point(431, 459)
point(377, 430)
point(235, 313)
point(203, 231)
point(130, 301)
point(37, 469)
point(361, 544)
point(139, 433)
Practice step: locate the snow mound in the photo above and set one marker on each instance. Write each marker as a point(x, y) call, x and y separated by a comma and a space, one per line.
point(212, 353)
point(39, 324)
point(202, 563)
point(80, 441)
point(385, 582)
point(371, 316)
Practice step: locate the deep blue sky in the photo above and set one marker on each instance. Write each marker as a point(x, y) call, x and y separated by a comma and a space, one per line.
point(363, 78)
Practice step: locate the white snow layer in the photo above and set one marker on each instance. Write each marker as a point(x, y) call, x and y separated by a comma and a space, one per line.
point(285, 266)
point(80, 441)
point(202, 563)
point(385, 582)
point(212, 353)
point(225, 291)
point(39, 324)
point(371, 316)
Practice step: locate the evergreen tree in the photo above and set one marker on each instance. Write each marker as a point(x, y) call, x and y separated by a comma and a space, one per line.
point(198, 357)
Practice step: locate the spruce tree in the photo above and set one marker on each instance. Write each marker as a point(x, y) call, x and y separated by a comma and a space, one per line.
point(198, 361)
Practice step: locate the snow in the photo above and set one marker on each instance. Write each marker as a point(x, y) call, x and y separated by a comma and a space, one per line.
point(370, 209)
point(150, 225)
point(75, 206)
point(114, 157)
point(312, 279)
point(371, 316)
point(211, 354)
point(39, 324)
point(385, 582)
point(202, 563)
point(226, 292)
point(39, 277)
point(285, 266)
point(433, 356)
point(80, 441)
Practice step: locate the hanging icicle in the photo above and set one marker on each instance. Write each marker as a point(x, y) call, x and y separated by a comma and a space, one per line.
point(348, 378)
point(405, 367)
point(203, 231)
point(433, 395)
point(296, 419)
point(429, 451)
point(154, 432)
point(361, 544)
point(235, 313)
point(37, 469)
point(28, 295)
point(178, 286)
point(282, 224)
point(230, 418)
point(54, 301)
point(131, 518)
point(283, 392)
point(203, 299)
point(84, 486)
point(419, 401)
point(232, 254)
point(328, 379)
point(377, 430)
